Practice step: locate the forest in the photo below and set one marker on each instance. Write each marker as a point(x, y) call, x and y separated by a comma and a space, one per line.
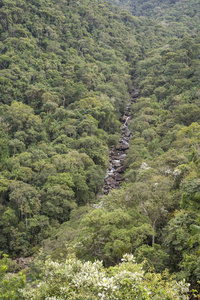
point(68, 70)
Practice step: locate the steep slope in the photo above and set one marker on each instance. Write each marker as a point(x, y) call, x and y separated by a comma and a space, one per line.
point(162, 172)
point(66, 70)
point(65, 73)
point(187, 13)
point(43, 36)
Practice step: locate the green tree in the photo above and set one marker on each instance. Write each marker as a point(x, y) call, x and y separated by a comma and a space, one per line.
point(10, 284)
point(25, 199)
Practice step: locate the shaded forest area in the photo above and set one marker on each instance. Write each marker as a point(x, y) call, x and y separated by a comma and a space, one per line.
point(66, 71)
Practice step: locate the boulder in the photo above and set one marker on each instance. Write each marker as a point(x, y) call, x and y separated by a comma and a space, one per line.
point(134, 94)
point(109, 181)
point(127, 114)
point(118, 177)
point(120, 169)
point(124, 117)
point(127, 133)
point(116, 164)
point(123, 147)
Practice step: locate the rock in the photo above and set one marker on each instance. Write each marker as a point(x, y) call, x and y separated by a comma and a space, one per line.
point(118, 158)
point(134, 94)
point(105, 191)
point(109, 181)
point(118, 177)
point(125, 138)
point(127, 113)
point(127, 134)
point(23, 262)
point(117, 154)
point(120, 169)
point(116, 164)
point(117, 184)
point(122, 160)
point(112, 175)
point(123, 147)
point(112, 153)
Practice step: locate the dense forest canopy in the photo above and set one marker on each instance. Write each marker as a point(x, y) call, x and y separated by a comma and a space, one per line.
point(67, 69)
point(65, 79)
point(169, 11)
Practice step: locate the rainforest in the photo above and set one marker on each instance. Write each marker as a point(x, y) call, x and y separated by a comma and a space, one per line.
point(99, 149)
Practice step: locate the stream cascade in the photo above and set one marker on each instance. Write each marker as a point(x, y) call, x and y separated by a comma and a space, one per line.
point(117, 154)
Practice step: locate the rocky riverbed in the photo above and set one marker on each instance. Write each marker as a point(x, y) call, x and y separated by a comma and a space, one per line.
point(117, 154)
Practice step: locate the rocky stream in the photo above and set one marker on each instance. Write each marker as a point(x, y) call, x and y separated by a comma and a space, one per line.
point(117, 154)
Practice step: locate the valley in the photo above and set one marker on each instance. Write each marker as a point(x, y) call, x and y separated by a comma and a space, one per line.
point(99, 173)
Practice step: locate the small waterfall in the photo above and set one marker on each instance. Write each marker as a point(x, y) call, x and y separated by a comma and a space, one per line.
point(126, 121)
point(117, 155)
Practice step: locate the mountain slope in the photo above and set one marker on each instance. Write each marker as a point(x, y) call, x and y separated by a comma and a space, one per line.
point(65, 73)
point(184, 16)
point(66, 70)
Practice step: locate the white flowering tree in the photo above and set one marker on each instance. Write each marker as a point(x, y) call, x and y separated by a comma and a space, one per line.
point(77, 280)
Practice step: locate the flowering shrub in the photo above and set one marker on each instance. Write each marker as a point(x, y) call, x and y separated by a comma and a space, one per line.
point(77, 280)
point(144, 166)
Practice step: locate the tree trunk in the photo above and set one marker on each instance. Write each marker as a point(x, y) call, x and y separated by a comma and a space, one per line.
point(26, 223)
point(153, 240)
point(153, 235)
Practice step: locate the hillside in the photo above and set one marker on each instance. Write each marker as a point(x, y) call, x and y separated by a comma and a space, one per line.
point(67, 70)
point(186, 13)
point(65, 77)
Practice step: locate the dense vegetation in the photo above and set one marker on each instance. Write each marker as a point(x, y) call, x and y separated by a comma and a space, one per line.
point(183, 14)
point(66, 70)
point(64, 82)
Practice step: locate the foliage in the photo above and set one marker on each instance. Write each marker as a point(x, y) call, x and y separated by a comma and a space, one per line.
point(75, 279)
point(66, 73)
point(10, 284)
point(184, 14)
